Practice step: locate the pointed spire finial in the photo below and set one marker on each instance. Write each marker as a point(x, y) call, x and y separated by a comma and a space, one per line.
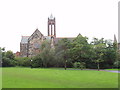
point(115, 40)
point(51, 16)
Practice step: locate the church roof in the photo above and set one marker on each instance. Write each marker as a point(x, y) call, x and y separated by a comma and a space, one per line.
point(115, 40)
point(47, 37)
point(60, 38)
point(24, 39)
point(35, 32)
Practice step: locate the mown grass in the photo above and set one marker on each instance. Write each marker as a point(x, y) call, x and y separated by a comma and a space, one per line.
point(57, 78)
point(113, 69)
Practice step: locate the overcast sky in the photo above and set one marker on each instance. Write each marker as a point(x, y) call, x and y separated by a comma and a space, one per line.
point(91, 18)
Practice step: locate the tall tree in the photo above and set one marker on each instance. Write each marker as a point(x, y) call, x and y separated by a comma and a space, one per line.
point(62, 49)
point(47, 54)
point(99, 48)
point(8, 59)
point(80, 49)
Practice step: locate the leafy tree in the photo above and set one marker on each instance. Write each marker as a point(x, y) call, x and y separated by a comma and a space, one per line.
point(7, 58)
point(62, 51)
point(80, 65)
point(117, 61)
point(104, 52)
point(37, 61)
point(23, 61)
point(47, 54)
point(76, 64)
point(80, 49)
point(10, 55)
point(98, 48)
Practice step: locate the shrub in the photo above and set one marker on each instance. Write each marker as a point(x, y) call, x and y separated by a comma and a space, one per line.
point(80, 65)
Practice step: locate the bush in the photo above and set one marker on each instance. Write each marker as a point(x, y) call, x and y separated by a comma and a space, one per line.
point(23, 61)
point(80, 65)
point(76, 64)
point(37, 61)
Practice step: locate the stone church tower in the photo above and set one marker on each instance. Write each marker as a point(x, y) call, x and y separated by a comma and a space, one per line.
point(52, 29)
point(51, 26)
point(30, 45)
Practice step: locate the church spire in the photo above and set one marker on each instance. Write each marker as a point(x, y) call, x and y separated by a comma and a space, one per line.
point(51, 16)
point(51, 26)
point(115, 40)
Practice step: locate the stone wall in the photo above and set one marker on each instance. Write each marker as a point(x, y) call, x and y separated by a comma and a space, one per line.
point(23, 50)
point(34, 45)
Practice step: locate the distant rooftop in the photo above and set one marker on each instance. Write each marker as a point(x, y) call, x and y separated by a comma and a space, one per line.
point(65, 37)
point(24, 39)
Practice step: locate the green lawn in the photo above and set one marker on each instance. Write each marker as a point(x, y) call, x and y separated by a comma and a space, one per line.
point(113, 69)
point(57, 78)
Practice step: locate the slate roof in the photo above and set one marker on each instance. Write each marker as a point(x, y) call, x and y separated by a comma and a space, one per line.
point(24, 39)
point(47, 37)
point(59, 38)
point(35, 32)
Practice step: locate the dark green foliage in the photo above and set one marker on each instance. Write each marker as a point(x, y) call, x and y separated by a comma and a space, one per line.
point(8, 58)
point(80, 65)
point(9, 54)
point(63, 52)
point(117, 62)
point(80, 49)
point(98, 54)
point(46, 58)
point(104, 53)
point(37, 61)
point(23, 61)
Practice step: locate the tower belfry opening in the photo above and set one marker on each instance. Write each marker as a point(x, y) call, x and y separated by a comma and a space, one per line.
point(51, 26)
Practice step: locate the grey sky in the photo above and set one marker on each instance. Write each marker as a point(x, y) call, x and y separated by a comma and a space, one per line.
point(91, 18)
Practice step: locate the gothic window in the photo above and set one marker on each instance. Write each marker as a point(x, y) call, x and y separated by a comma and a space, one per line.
point(36, 45)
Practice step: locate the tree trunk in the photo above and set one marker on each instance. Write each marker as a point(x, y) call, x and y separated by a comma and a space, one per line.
point(98, 67)
point(65, 65)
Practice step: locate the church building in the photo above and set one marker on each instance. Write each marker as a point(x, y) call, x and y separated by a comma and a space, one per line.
point(30, 45)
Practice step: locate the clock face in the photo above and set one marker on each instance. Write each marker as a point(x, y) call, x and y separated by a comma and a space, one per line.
point(36, 45)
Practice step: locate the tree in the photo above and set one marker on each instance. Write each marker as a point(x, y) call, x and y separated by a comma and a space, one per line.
point(8, 59)
point(80, 65)
point(80, 49)
point(37, 61)
point(10, 55)
point(47, 54)
point(117, 61)
point(0, 57)
point(99, 47)
point(62, 51)
point(23, 61)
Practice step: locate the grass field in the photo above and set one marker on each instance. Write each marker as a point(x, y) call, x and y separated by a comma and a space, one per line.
point(57, 78)
point(113, 69)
